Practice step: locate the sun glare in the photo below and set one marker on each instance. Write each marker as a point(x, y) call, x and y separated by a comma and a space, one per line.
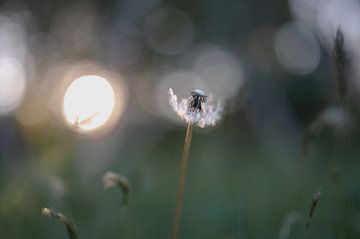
point(89, 102)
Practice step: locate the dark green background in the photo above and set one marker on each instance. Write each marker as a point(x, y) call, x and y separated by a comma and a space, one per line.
point(244, 177)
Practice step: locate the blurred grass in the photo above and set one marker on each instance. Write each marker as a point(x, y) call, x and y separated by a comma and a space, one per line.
point(234, 190)
point(238, 186)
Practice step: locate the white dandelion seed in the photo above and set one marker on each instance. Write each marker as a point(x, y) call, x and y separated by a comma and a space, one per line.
point(197, 109)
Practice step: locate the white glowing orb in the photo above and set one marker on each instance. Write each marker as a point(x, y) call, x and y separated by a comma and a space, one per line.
point(89, 102)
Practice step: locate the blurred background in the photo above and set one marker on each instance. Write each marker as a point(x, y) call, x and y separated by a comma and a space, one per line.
point(83, 90)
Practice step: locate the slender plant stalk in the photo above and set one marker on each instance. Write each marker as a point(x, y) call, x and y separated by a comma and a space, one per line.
point(314, 203)
point(69, 224)
point(111, 179)
point(342, 65)
point(181, 186)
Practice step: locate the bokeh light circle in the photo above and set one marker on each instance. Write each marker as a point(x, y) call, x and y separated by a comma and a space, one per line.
point(12, 84)
point(307, 11)
point(220, 69)
point(297, 49)
point(89, 102)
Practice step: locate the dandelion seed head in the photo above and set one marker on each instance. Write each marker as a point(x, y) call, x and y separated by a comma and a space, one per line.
point(198, 108)
point(199, 92)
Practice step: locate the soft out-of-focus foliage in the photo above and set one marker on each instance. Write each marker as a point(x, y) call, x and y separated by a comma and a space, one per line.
point(287, 129)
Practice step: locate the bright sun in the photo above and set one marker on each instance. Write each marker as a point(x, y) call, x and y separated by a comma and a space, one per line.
point(89, 102)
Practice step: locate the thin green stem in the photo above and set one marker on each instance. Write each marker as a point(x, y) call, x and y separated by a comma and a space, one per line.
point(182, 178)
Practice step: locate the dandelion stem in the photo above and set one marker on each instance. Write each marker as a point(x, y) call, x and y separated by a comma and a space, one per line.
point(181, 186)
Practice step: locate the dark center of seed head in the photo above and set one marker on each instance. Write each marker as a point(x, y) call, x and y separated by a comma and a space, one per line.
point(198, 98)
